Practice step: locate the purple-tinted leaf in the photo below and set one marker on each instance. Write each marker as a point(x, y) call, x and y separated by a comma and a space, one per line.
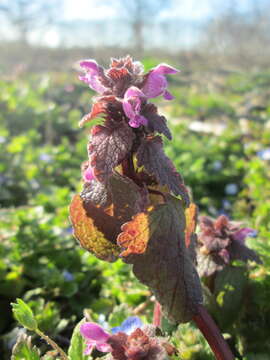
point(97, 193)
point(156, 122)
point(208, 265)
point(154, 242)
point(108, 148)
point(239, 251)
point(151, 155)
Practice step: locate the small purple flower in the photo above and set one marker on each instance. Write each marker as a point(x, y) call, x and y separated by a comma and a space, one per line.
point(264, 154)
point(132, 103)
point(156, 83)
point(88, 175)
point(92, 73)
point(128, 326)
point(95, 337)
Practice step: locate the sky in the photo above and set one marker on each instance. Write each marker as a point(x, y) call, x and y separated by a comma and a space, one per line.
point(84, 18)
point(87, 9)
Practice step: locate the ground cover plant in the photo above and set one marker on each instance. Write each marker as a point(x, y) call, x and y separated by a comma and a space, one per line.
point(64, 279)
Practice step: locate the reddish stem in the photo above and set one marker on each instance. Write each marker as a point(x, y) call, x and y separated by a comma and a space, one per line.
point(212, 334)
point(157, 314)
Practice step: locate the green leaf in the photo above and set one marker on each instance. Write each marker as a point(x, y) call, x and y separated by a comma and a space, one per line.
point(23, 349)
point(77, 344)
point(24, 315)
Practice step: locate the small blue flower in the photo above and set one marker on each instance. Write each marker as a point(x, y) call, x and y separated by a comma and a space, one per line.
point(217, 165)
point(231, 189)
point(67, 275)
point(128, 326)
point(69, 230)
point(45, 157)
point(264, 154)
point(2, 139)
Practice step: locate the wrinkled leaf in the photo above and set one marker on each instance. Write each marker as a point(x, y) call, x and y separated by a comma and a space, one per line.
point(23, 349)
point(96, 227)
point(156, 122)
point(208, 264)
point(90, 236)
point(241, 252)
point(190, 235)
point(108, 148)
point(165, 265)
point(151, 155)
point(97, 109)
point(191, 220)
point(97, 193)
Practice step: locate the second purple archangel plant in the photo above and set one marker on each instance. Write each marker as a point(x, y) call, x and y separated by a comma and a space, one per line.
point(134, 204)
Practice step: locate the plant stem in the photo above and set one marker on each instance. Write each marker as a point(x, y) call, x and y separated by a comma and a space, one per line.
point(157, 314)
point(212, 334)
point(53, 344)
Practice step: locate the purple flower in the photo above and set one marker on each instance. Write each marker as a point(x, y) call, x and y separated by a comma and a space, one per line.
point(95, 337)
point(128, 326)
point(92, 74)
point(156, 83)
point(88, 175)
point(132, 103)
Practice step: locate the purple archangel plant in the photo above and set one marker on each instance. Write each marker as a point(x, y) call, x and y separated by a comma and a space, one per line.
point(220, 242)
point(134, 204)
point(130, 341)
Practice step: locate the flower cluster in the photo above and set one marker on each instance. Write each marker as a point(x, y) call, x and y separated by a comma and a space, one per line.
point(129, 341)
point(126, 81)
point(220, 242)
point(131, 123)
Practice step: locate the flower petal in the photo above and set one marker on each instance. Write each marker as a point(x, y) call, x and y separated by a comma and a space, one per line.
point(103, 347)
point(88, 174)
point(92, 73)
point(167, 95)
point(128, 109)
point(164, 69)
point(134, 91)
point(89, 65)
point(155, 85)
point(137, 121)
point(89, 347)
point(92, 331)
point(128, 326)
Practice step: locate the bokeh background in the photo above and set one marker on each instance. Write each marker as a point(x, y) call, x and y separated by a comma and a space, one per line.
point(220, 119)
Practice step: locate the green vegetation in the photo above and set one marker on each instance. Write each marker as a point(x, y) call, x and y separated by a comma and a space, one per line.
point(220, 124)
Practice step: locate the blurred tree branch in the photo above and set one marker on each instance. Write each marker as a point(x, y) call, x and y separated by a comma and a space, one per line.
point(24, 16)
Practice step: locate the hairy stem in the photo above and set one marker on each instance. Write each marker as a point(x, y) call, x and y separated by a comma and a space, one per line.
point(53, 344)
point(212, 334)
point(157, 314)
